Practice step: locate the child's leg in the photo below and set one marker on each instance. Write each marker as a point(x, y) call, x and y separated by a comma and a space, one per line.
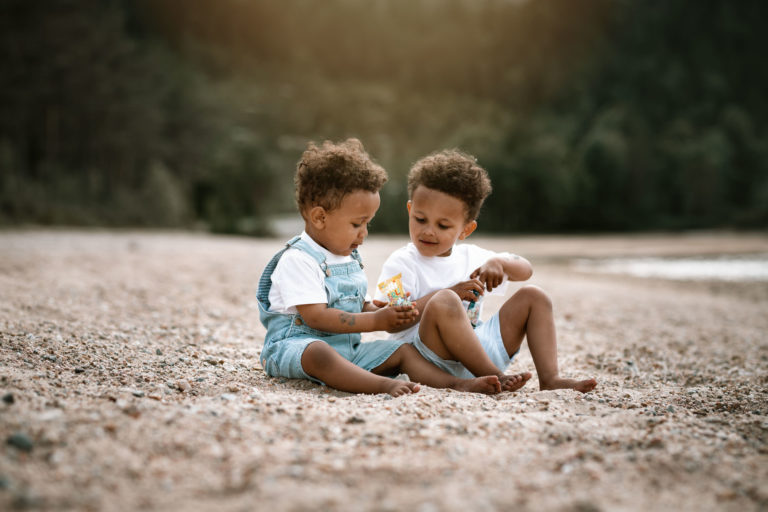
point(322, 362)
point(445, 329)
point(529, 313)
point(408, 360)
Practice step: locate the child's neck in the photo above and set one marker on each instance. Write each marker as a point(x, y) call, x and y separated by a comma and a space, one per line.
point(318, 239)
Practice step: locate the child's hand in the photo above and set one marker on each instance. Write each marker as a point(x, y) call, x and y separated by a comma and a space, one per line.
point(491, 274)
point(389, 318)
point(465, 289)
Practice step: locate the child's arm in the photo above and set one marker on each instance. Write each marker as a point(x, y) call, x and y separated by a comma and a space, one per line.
point(493, 271)
point(323, 318)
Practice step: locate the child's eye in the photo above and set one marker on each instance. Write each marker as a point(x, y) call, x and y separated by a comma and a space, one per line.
point(419, 220)
point(443, 226)
point(356, 225)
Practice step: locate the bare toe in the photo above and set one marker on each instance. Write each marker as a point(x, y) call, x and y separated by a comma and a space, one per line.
point(585, 386)
point(514, 382)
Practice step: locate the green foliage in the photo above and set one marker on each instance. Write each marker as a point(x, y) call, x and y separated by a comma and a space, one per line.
point(589, 115)
point(104, 126)
point(665, 130)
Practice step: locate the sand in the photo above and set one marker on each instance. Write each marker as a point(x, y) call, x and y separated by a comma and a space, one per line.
point(130, 380)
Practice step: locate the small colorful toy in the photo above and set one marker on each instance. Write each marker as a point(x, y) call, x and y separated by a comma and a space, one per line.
point(473, 310)
point(393, 289)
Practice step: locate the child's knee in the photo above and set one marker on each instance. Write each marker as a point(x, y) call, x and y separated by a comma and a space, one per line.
point(535, 296)
point(317, 354)
point(445, 302)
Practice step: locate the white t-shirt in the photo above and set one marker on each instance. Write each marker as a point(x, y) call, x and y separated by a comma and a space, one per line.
point(298, 278)
point(422, 275)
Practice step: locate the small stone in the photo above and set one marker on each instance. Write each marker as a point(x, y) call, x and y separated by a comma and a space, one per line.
point(182, 385)
point(21, 441)
point(79, 369)
point(137, 393)
point(158, 352)
point(132, 411)
point(355, 419)
point(8, 398)
point(26, 500)
point(670, 409)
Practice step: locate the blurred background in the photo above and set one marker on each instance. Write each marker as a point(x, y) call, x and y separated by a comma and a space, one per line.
point(590, 115)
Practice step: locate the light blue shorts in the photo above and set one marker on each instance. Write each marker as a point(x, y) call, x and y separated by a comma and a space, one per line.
point(489, 333)
point(283, 358)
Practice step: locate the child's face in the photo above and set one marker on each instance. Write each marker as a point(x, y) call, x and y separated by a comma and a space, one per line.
point(343, 229)
point(436, 221)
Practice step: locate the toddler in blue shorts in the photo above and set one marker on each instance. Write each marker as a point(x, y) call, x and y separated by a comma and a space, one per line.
point(446, 191)
point(312, 294)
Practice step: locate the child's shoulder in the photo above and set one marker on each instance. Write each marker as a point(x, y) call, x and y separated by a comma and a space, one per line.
point(468, 248)
point(294, 258)
point(473, 251)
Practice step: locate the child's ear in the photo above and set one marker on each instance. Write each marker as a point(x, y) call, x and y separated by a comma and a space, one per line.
point(408, 205)
point(316, 217)
point(469, 227)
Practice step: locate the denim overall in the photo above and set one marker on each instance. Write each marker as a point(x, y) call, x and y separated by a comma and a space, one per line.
point(288, 335)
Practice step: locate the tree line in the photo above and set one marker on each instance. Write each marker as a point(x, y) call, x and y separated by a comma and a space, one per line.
point(589, 115)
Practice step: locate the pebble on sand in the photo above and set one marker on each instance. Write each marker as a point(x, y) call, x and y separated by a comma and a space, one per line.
point(20, 441)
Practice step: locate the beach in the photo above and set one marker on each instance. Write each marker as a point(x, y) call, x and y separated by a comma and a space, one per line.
point(130, 380)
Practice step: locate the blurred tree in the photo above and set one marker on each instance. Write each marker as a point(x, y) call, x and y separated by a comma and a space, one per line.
point(101, 124)
point(588, 114)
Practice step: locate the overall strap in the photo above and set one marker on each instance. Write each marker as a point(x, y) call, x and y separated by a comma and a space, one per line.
point(265, 282)
point(298, 243)
point(356, 255)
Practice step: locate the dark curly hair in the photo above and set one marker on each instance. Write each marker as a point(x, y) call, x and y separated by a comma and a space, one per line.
point(326, 174)
point(454, 173)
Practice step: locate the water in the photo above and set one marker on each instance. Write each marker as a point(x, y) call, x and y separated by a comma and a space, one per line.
point(720, 268)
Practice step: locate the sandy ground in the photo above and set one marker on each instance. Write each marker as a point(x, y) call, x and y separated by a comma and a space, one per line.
point(130, 380)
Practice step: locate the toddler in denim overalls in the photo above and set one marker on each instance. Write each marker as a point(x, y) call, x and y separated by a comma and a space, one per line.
point(288, 335)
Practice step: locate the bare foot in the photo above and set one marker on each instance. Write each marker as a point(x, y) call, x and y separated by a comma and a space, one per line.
point(514, 382)
point(400, 388)
point(488, 384)
point(585, 386)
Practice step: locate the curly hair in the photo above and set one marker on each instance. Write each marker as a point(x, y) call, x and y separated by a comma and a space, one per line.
point(326, 174)
point(454, 173)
